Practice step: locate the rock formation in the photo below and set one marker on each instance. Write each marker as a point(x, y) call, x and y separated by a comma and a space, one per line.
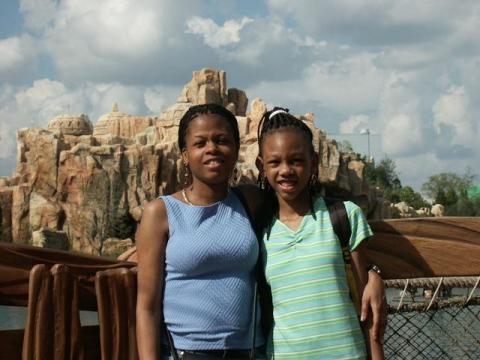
point(77, 185)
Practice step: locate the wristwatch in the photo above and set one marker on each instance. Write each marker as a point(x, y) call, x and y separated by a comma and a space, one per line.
point(373, 267)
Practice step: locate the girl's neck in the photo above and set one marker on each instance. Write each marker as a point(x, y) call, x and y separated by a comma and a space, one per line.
point(205, 194)
point(297, 207)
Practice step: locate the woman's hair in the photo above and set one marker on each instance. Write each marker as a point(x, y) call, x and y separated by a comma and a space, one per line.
point(274, 120)
point(207, 109)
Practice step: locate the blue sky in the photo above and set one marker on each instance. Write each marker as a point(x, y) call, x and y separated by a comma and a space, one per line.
point(407, 70)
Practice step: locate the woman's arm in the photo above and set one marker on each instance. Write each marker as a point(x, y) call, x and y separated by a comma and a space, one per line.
point(151, 239)
point(372, 293)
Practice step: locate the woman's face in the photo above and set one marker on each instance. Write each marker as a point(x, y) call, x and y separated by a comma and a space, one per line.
point(210, 149)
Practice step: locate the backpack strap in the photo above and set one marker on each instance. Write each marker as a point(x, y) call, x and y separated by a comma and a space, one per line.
point(341, 227)
point(339, 217)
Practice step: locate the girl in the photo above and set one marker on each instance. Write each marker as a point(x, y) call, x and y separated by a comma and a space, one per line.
point(197, 252)
point(313, 315)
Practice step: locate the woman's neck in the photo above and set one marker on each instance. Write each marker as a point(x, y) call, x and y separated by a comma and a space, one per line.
point(205, 194)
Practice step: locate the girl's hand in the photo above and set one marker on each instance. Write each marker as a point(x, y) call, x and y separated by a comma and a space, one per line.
point(374, 298)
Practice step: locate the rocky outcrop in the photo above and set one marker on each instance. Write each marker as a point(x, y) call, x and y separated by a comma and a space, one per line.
point(438, 210)
point(120, 125)
point(52, 239)
point(113, 247)
point(71, 124)
point(77, 185)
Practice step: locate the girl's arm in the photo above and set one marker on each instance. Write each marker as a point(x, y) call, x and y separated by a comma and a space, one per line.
point(151, 239)
point(372, 291)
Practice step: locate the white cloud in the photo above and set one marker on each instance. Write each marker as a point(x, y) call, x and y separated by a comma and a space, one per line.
point(376, 22)
point(7, 140)
point(452, 115)
point(402, 135)
point(17, 54)
point(354, 124)
point(112, 40)
point(37, 13)
point(217, 36)
point(159, 98)
point(352, 83)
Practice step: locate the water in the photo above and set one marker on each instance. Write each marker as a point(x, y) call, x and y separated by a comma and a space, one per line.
point(13, 317)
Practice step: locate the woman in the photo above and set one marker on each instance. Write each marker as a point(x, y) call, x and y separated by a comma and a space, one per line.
point(198, 246)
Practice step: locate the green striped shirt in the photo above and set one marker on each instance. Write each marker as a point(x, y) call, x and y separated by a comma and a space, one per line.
point(314, 317)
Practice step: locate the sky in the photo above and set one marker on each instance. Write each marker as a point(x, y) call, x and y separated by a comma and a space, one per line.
point(408, 71)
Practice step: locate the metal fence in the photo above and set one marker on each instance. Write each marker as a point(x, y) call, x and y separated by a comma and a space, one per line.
point(433, 319)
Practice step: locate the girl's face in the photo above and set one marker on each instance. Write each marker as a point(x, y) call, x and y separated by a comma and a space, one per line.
point(210, 149)
point(288, 162)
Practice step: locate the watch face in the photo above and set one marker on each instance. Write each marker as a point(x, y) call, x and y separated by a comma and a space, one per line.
point(374, 268)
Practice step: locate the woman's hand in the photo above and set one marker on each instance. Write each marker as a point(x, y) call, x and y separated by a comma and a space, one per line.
point(374, 301)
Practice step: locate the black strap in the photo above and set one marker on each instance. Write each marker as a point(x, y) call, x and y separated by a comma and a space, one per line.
point(341, 224)
point(171, 347)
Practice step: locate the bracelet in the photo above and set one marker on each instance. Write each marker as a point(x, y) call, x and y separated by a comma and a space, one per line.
point(375, 268)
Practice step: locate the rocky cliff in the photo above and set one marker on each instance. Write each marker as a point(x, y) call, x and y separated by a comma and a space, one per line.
point(79, 186)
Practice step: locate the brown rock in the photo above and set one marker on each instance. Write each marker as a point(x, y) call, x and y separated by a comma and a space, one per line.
point(258, 108)
point(120, 124)
point(38, 154)
point(206, 86)
point(438, 210)
point(45, 213)
point(239, 98)
point(71, 124)
point(171, 117)
point(6, 198)
point(355, 175)
point(113, 247)
point(93, 195)
point(52, 239)
point(21, 233)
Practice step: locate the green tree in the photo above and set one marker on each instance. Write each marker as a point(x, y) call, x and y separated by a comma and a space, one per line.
point(449, 183)
point(411, 197)
point(384, 176)
point(450, 190)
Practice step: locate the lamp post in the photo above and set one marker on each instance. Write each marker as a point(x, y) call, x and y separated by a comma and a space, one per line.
point(367, 132)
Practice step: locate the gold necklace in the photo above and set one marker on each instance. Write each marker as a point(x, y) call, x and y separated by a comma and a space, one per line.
point(185, 197)
point(184, 194)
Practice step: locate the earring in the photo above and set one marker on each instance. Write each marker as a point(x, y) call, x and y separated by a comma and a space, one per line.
point(186, 174)
point(313, 182)
point(262, 180)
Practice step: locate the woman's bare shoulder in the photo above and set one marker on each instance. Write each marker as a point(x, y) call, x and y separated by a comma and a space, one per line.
point(155, 208)
point(154, 222)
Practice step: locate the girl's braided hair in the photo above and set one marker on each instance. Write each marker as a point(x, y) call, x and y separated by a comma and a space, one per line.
point(207, 109)
point(274, 120)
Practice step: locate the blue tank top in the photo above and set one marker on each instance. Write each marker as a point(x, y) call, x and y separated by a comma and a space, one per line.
point(209, 275)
